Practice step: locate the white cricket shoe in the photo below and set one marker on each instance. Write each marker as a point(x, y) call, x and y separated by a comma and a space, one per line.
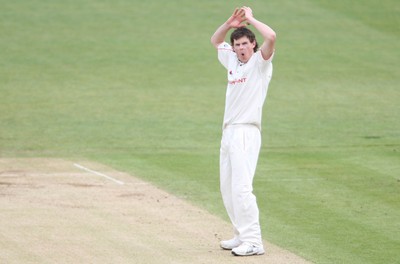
point(230, 244)
point(247, 249)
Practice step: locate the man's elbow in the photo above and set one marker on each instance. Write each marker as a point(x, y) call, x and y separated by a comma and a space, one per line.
point(271, 37)
point(214, 42)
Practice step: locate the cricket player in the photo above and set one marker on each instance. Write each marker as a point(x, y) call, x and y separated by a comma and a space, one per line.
point(249, 71)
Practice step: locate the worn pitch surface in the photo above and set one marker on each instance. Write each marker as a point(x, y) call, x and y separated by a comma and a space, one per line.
point(59, 211)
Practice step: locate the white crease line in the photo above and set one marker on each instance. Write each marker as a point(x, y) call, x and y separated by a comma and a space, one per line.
point(98, 173)
point(289, 180)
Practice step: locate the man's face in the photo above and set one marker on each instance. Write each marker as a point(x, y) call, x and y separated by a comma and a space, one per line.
point(244, 48)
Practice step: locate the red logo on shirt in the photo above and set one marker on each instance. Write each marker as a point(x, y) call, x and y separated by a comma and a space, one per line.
point(241, 80)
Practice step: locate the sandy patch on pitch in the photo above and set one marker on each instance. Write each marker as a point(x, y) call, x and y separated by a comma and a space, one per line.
point(55, 212)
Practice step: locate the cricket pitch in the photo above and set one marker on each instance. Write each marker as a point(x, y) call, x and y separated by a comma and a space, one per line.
point(58, 211)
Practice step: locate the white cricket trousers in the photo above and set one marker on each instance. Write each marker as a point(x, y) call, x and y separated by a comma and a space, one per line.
point(240, 147)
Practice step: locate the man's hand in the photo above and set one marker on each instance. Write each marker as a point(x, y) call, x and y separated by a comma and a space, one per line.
point(237, 18)
point(247, 13)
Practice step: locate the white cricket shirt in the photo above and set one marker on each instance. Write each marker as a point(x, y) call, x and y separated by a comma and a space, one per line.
point(247, 86)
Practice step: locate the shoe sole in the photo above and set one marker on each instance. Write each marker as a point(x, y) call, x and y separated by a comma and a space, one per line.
point(247, 255)
point(224, 248)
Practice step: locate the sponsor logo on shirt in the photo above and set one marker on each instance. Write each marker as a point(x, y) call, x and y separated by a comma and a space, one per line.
point(236, 81)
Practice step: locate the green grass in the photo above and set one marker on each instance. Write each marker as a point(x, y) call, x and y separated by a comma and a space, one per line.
point(137, 85)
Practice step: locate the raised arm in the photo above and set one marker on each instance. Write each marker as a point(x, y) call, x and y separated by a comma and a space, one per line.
point(235, 21)
point(268, 46)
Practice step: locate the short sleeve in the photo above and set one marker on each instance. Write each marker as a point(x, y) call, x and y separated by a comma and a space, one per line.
point(224, 53)
point(262, 60)
point(265, 65)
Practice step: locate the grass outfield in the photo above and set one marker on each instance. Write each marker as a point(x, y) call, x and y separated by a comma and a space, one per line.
point(137, 85)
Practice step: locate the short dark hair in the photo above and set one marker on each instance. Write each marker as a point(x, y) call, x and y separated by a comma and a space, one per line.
point(244, 32)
